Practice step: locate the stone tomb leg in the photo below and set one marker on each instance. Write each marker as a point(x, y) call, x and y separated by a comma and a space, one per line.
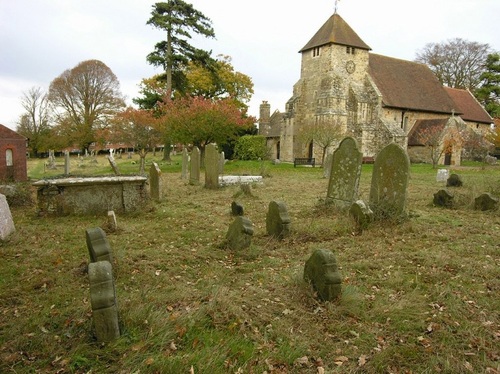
point(98, 245)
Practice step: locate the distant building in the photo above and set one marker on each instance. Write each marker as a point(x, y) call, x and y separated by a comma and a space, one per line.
point(13, 162)
point(373, 98)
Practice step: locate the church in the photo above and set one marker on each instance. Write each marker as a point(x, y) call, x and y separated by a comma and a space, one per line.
point(345, 90)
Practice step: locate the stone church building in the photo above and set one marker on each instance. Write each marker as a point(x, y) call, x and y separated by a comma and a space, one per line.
point(375, 99)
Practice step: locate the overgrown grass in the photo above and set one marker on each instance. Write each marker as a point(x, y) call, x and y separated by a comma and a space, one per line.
point(421, 296)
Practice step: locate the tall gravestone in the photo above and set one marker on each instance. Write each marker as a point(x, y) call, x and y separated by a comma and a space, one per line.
point(212, 158)
point(389, 187)
point(327, 165)
point(103, 301)
point(194, 170)
point(222, 161)
point(6, 222)
point(113, 164)
point(278, 220)
point(185, 163)
point(66, 163)
point(155, 189)
point(345, 174)
point(98, 245)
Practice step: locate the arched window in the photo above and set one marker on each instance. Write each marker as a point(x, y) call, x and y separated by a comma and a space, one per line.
point(8, 157)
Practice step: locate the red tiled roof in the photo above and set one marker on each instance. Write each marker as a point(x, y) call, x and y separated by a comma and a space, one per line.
point(6, 133)
point(468, 106)
point(430, 125)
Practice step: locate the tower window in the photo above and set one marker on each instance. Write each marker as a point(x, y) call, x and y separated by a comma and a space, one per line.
point(350, 50)
point(316, 51)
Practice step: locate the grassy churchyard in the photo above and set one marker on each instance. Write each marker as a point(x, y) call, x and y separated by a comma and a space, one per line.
point(419, 296)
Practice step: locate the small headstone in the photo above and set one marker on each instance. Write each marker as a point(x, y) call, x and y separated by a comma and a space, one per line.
point(52, 160)
point(66, 163)
point(442, 175)
point(389, 187)
point(278, 220)
point(362, 214)
point(103, 301)
point(345, 174)
point(322, 272)
point(112, 224)
point(113, 164)
point(454, 181)
point(155, 182)
point(443, 198)
point(327, 166)
point(485, 201)
point(222, 161)
point(6, 222)
point(239, 235)
point(194, 172)
point(185, 163)
point(98, 245)
point(212, 158)
point(236, 209)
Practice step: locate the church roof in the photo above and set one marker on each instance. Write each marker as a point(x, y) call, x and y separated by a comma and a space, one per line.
point(409, 85)
point(335, 30)
point(468, 106)
point(430, 126)
point(6, 133)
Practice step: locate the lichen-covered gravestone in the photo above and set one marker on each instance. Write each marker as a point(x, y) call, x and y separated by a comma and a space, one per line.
point(327, 165)
point(155, 182)
point(185, 162)
point(212, 158)
point(194, 170)
point(278, 220)
point(98, 245)
point(322, 272)
point(6, 222)
point(103, 301)
point(389, 187)
point(239, 234)
point(485, 201)
point(345, 174)
point(443, 198)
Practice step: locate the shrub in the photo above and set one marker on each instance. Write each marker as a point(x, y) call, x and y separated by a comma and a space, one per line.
point(251, 147)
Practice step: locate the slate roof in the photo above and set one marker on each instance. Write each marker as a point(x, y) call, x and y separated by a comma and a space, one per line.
point(468, 106)
point(6, 133)
point(335, 30)
point(409, 85)
point(431, 125)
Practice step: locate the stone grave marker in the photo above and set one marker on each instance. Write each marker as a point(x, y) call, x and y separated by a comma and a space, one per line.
point(185, 163)
point(155, 189)
point(112, 223)
point(98, 245)
point(486, 201)
point(454, 181)
point(212, 158)
point(113, 164)
point(322, 272)
point(66, 163)
point(103, 301)
point(222, 161)
point(194, 171)
point(239, 234)
point(442, 175)
point(52, 160)
point(443, 198)
point(362, 214)
point(236, 209)
point(389, 187)
point(345, 174)
point(277, 220)
point(6, 222)
point(327, 166)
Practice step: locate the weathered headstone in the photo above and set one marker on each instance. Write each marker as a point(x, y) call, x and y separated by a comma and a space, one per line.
point(113, 164)
point(362, 214)
point(486, 201)
point(66, 163)
point(443, 198)
point(442, 175)
point(239, 235)
point(277, 220)
point(212, 158)
point(454, 181)
point(6, 222)
point(236, 209)
point(185, 163)
point(327, 165)
point(322, 272)
point(112, 223)
point(389, 187)
point(222, 161)
point(52, 160)
point(345, 174)
point(194, 171)
point(103, 301)
point(98, 245)
point(155, 189)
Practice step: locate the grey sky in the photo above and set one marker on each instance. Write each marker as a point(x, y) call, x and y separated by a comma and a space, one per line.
point(40, 39)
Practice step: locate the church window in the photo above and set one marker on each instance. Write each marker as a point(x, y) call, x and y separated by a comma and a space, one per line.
point(8, 157)
point(350, 50)
point(316, 51)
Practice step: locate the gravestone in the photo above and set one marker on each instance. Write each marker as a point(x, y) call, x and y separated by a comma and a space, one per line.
point(239, 235)
point(278, 220)
point(185, 163)
point(112, 223)
point(322, 272)
point(236, 209)
point(389, 187)
point(6, 222)
point(52, 160)
point(98, 245)
point(113, 164)
point(442, 175)
point(222, 161)
point(485, 201)
point(155, 189)
point(212, 158)
point(194, 171)
point(345, 174)
point(103, 301)
point(362, 214)
point(66, 163)
point(327, 166)
point(443, 198)
point(454, 181)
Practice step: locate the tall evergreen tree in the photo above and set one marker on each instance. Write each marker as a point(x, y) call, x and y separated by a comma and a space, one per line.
point(489, 91)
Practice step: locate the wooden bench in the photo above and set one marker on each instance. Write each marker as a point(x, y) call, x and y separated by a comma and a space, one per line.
point(304, 161)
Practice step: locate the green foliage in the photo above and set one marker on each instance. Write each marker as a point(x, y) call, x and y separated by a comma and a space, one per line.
point(251, 147)
point(489, 92)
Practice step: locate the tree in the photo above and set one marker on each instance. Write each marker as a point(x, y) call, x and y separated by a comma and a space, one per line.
point(488, 93)
point(34, 124)
point(476, 145)
point(87, 96)
point(457, 63)
point(136, 127)
point(323, 133)
point(251, 147)
point(178, 19)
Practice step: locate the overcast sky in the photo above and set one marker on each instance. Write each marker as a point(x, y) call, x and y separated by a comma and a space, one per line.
point(39, 39)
